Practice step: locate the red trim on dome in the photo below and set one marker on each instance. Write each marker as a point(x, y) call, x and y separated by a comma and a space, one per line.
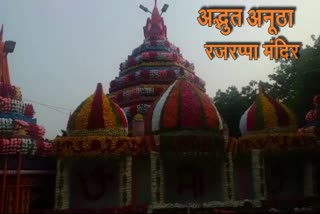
point(121, 114)
point(96, 120)
point(251, 121)
point(170, 109)
point(190, 108)
point(211, 116)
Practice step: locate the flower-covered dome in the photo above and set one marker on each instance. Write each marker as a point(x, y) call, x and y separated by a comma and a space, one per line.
point(98, 115)
point(183, 107)
point(150, 69)
point(19, 131)
point(266, 115)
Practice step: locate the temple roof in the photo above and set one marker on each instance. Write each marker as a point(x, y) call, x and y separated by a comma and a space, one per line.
point(266, 115)
point(183, 107)
point(98, 115)
point(19, 131)
point(150, 69)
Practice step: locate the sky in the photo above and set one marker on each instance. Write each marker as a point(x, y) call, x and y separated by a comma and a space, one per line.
point(65, 47)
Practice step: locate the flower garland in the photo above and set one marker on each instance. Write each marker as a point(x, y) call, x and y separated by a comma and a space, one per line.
point(25, 146)
point(125, 181)
point(158, 44)
point(157, 179)
point(14, 105)
point(81, 121)
point(156, 56)
point(228, 178)
point(131, 111)
point(153, 75)
point(277, 142)
point(95, 145)
point(62, 185)
point(210, 204)
point(258, 175)
point(16, 127)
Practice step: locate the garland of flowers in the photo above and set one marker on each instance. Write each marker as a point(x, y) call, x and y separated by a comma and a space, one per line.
point(25, 146)
point(14, 105)
point(156, 56)
point(140, 91)
point(270, 118)
point(81, 121)
point(258, 174)
point(14, 127)
point(153, 75)
point(277, 142)
point(125, 181)
point(156, 44)
point(228, 178)
point(157, 179)
point(59, 184)
point(210, 204)
point(95, 145)
point(131, 111)
point(65, 191)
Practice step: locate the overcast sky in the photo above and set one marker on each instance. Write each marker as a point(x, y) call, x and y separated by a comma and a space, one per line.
point(64, 47)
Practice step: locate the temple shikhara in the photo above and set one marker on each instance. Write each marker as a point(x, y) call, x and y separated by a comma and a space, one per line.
point(156, 143)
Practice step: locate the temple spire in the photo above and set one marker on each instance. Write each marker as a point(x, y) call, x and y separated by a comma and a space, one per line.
point(155, 27)
point(1, 32)
point(4, 68)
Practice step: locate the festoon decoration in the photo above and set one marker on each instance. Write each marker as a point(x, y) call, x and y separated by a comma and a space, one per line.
point(258, 172)
point(157, 179)
point(228, 178)
point(125, 181)
point(62, 185)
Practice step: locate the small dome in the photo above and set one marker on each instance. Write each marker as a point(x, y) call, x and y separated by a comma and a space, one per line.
point(266, 115)
point(98, 115)
point(183, 106)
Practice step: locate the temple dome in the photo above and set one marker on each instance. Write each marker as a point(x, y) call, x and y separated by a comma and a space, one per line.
point(266, 115)
point(98, 115)
point(148, 71)
point(183, 107)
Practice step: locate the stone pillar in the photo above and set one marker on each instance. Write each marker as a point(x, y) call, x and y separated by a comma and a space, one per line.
point(157, 179)
point(62, 196)
point(258, 173)
point(228, 178)
point(125, 181)
point(308, 180)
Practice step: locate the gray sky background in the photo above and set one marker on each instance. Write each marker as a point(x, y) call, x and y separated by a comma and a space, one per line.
point(64, 47)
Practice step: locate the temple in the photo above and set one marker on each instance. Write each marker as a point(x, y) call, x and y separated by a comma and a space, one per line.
point(156, 143)
point(27, 163)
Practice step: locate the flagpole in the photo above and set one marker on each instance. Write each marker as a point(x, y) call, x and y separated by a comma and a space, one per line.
point(18, 184)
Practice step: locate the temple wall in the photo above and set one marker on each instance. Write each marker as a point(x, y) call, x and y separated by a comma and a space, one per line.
point(94, 184)
point(212, 180)
point(243, 178)
point(284, 177)
point(143, 180)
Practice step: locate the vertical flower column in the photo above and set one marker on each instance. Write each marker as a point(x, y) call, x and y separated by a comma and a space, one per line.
point(62, 186)
point(308, 180)
point(157, 179)
point(228, 187)
point(258, 173)
point(125, 181)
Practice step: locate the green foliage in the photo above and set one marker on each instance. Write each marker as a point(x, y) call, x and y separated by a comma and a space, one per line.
point(293, 82)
